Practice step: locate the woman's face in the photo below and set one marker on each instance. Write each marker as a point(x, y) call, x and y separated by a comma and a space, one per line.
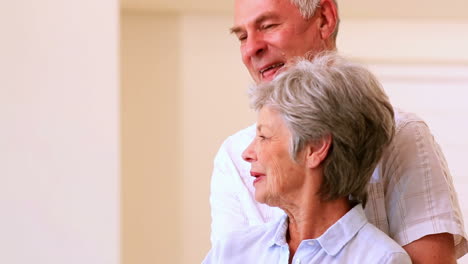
point(278, 178)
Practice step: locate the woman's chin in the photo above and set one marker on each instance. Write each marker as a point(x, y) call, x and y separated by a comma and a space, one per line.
point(260, 198)
point(265, 198)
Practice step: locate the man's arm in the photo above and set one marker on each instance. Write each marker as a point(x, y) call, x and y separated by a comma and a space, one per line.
point(422, 206)
point(226, 213)
point(432, 249)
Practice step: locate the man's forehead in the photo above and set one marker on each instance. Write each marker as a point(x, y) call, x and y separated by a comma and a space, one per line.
point(245, 10)
point(256, 20)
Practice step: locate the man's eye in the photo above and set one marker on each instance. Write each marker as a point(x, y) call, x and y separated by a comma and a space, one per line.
point(242, 37)
point(268, 26)
point(261, 137)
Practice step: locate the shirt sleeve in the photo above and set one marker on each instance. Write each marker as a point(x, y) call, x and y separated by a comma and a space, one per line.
point(420, 197)
point(226, 212)
point(398, 258)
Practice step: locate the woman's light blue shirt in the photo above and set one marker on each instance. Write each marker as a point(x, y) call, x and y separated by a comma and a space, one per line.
point(352, 239)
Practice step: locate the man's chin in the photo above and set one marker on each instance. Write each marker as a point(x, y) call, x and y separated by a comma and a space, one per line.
point(271, 75)
point(267, 79)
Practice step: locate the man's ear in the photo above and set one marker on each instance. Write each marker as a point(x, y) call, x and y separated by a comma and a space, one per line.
point(317, 151)
point(328, 18)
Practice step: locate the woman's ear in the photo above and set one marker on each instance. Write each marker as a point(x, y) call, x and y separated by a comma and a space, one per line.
point(318, 151)
point(328, 17)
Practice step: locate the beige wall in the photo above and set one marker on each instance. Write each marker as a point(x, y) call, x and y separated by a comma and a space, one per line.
point(59, 132)
point(211, 104)
point(214, 105)
point(151, 139)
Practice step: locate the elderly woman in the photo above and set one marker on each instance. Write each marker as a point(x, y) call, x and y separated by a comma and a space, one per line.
point(321, 129)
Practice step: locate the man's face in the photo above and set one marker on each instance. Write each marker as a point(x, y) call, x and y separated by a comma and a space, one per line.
point(271, 34)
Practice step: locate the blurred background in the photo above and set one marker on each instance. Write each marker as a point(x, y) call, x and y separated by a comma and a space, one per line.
point(111, 114)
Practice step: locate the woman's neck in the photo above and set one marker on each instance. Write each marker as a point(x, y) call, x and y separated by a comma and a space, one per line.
point(311, 217)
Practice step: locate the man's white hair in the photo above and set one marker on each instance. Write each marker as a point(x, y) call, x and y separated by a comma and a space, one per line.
point(308, 7)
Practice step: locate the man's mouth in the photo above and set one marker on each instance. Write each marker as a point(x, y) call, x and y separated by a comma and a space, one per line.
point(270, 71)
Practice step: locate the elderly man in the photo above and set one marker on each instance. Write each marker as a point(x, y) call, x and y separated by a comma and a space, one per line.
point(411, 195)
point(320, 123)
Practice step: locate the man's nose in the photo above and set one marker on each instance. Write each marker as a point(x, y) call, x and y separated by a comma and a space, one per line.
point(255, 45)
point(249, 154)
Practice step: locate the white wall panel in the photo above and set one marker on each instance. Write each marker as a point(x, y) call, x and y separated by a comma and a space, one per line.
point(59, 132)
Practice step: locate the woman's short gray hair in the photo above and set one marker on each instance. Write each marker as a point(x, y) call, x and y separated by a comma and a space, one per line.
point(333, 96)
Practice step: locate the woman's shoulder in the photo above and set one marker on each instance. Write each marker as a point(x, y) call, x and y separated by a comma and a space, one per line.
point(380, 247)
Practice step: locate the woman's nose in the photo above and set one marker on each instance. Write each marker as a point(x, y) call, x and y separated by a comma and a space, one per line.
point(249, 153)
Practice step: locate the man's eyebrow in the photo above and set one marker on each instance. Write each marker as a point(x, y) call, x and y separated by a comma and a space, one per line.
point(258, 21)
point(235, 30)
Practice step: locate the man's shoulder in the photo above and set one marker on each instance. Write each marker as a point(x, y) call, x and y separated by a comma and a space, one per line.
point(410, 128)
point(244, 135)
point(404, 118)
point(388, 248)
point(372, 234)
point(234, 145)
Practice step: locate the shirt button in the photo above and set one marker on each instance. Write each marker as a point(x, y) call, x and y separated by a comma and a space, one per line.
point(298, 261)
point(311, 243)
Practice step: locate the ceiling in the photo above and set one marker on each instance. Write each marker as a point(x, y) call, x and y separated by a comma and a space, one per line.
point(376, 9)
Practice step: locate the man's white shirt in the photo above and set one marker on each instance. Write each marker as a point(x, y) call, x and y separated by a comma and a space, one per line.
point(410, 194)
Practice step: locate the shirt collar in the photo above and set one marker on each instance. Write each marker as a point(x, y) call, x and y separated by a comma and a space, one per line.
point(279, 235)
point(340, 233)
